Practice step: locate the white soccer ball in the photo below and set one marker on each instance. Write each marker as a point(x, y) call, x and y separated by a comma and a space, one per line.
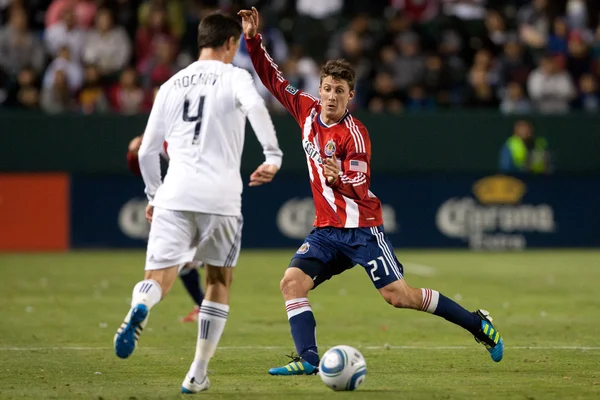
point(343, 368)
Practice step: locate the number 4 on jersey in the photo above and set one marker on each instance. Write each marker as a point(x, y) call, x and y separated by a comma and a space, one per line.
point(197, 118)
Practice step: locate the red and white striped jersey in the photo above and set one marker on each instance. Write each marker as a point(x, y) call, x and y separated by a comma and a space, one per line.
point(348, 202)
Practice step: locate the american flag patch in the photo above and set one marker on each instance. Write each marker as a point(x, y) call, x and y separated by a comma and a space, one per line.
point(358, 166)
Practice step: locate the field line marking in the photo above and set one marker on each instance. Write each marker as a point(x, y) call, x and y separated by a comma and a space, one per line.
point(76, 348)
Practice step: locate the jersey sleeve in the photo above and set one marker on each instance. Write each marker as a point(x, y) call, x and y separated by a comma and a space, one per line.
point(355, 176)
point(297, 102)
point(152, 146)
point(255, 109)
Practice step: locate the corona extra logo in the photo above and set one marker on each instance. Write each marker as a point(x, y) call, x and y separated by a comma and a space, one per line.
point(499, 189)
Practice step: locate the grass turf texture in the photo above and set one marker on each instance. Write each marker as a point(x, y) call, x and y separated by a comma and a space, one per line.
point(60, 311)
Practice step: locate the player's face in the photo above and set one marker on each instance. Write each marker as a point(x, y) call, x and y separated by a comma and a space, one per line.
point(335, 95)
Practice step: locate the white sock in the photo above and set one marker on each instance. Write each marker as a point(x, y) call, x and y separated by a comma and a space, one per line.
point(211, 323)
point(147, 292)
point(429, 300)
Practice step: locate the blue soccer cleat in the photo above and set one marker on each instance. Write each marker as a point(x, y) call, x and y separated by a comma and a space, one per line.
point(489, 336)
point(130, 330)
point(296, 367)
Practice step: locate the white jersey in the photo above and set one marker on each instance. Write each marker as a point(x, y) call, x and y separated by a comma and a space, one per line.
point(201, 113)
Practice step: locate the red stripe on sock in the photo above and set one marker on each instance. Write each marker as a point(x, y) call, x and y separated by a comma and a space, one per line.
point(426, 300)
point(297, 305)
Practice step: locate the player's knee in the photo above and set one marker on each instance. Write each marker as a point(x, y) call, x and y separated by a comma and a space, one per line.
point(399, 295)
point(219, 276)
point(399, 300)
point(293, 283)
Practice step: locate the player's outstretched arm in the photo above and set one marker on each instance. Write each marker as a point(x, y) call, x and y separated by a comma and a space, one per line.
point(254, 107)
point(294, 100)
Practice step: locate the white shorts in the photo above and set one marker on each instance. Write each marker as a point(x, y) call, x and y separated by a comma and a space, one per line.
point(179, 237)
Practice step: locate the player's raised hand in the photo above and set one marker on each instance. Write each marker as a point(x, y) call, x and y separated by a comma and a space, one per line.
point(331, 169)
point(263, 174)
point(249, 22)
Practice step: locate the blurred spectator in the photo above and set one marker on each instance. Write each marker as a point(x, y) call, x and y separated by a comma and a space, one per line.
point(481, 95)
point(409, 66)
point(66, 33)
point(107, 46)
point(173, 9)
point(534, 23)
point(497, 34)
point(449, 49)
point(437, 80)
point(514, 100)
point(91, 97)
point(589, 96)
point(127, 97)
point(85, 10)
point(125, 12)
point(525, 153)
point(419, 100)
point(26, 94)
point(72, 71)
point(19, 48)
point(579, 60)
point(57, 98)
point(384, 97)
point(513, 64)
point(161, 66)
point(577, 14)
point(318, 9)
point(418, 11)
point(550, 88)
point(157, 28)
point(558, 40)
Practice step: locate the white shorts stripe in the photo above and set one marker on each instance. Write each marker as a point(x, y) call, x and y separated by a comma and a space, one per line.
point(386, 252)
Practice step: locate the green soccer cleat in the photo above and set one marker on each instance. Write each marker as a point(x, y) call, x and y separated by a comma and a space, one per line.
point(296, 367)
point(489, 336)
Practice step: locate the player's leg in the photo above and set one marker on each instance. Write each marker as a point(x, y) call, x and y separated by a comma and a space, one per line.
point(387, 274)
point(313, 263)
point(171, 243)
point(219, 248)
point(190, 277)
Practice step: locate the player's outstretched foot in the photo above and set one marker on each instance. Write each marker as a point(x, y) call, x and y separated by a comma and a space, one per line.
point(489, 336)
point(191, 386)
point(192, 316)
point(130, 330)
point(296, 367)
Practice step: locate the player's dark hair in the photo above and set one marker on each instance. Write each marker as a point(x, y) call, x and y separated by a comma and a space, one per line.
point(339, 70)
point(215, 30)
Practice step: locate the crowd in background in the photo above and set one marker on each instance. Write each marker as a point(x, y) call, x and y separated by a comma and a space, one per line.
point(516, 56)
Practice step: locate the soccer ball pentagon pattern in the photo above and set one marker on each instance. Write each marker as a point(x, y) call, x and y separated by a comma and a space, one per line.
point(343, 368)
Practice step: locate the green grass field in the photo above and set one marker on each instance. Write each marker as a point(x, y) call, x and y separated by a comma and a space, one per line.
point(59, 313)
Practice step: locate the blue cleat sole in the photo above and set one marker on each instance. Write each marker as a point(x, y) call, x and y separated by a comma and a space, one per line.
point(125, 342)
point(498, 351)
point(185, 391)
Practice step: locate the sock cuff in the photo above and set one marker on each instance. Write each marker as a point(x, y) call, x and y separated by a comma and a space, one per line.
point(214, 309)
point(429, 300)
point(297, 306)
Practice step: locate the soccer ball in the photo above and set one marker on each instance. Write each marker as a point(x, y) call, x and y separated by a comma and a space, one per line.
point(343, 368)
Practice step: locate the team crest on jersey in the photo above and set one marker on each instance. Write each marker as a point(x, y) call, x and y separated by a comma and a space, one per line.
point(330, 148)
point(292, 90)
point(304, 248)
